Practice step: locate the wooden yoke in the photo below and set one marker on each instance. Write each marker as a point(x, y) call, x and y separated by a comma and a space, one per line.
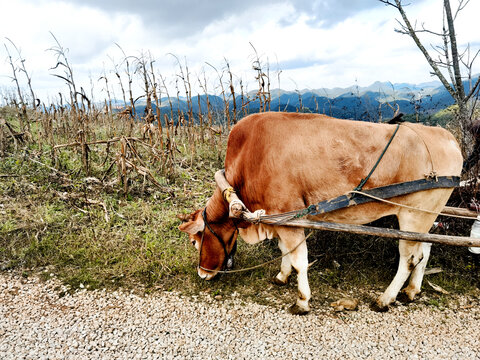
point(237, 208)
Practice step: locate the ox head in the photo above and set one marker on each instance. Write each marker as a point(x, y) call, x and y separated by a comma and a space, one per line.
point(214, 239)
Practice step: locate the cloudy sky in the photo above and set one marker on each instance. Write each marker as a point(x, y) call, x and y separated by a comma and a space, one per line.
point(315, 43)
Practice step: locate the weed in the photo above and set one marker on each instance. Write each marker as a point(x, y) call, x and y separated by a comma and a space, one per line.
point(92, 193)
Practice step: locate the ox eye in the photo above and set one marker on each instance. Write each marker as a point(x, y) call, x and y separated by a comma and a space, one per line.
point(193, 241)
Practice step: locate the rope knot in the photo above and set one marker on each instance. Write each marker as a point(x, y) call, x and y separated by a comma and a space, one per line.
point(254, 217)
point(432, 176)
point(227, 194)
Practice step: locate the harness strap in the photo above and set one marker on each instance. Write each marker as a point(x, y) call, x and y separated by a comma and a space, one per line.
point(364, 181)
point(355, 198)
point(385, 192)
point(204, 215)
point(433, 172)
point(228, 261)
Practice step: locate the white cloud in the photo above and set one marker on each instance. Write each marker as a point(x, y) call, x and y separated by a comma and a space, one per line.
point(318, 48)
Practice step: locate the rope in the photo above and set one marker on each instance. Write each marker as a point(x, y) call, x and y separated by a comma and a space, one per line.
point(277, 219)
point(364, 181)
point(433, 173)
point(265, 263)
point(407, 206)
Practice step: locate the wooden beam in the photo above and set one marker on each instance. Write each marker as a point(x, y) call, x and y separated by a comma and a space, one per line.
point(240, 211)
point(459, 211)
point(383, 232)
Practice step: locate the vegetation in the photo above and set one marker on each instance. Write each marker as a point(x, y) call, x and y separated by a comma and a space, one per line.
point(89, 195)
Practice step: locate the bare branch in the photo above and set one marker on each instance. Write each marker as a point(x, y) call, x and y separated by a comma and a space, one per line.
point(387, 2)
point(412, 33)
point(454, 51)
point(461, 6)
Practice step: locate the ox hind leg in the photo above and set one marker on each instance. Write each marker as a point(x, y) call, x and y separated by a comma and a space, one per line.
point(289, 240)
point(416, 278)
point(413, 258)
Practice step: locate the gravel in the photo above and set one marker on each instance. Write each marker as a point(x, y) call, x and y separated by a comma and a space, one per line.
point(36, 323)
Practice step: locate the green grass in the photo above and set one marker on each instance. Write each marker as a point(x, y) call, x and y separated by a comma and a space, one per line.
point(55, 225)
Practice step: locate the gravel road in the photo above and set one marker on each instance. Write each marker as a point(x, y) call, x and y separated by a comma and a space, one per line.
point(35, 323)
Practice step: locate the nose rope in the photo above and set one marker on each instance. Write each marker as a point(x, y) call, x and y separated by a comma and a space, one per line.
point(267, 262)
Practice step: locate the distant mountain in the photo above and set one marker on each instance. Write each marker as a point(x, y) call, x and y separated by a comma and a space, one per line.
point(371, 103)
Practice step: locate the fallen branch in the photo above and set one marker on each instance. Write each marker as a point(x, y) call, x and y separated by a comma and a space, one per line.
point(66, 197)
point(108, 141)
point(102, 204)
point(145, 172)
point(88, 143)
point(433, 271)
point(66, 176)
point(437, 288)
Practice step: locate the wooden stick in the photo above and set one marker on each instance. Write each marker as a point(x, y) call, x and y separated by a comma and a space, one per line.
point(108, 141)
point(89, 143)
point(236, 206)
point(387, 233)
point(459, 211)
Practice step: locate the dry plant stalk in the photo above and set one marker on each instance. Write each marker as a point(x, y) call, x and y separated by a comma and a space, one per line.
point(22, 107)
point(225, 102)
point(232, 91)
point(158, 100)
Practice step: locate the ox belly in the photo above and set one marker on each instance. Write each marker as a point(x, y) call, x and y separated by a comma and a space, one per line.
point(254, 234)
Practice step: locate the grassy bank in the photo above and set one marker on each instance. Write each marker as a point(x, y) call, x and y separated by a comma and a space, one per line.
point(117, 228)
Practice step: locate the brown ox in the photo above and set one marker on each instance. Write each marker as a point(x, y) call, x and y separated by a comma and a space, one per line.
point(282, 162)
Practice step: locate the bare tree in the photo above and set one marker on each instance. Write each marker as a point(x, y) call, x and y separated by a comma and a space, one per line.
point(446, 63)
point(21, 68)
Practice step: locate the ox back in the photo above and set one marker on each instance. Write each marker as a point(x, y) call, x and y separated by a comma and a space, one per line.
point(282, 162)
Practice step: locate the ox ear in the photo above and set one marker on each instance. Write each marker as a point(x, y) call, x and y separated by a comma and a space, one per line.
point(192, 224)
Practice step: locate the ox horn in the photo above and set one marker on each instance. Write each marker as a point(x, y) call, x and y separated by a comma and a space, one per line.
point(397, 111)
point(184, 217)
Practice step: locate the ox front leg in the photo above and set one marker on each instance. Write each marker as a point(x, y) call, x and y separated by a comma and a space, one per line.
point(298, 259)
point(286, 266)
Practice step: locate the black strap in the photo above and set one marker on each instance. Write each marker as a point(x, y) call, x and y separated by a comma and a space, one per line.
point(204, 215)
point(384, 192)
point(228, 256)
